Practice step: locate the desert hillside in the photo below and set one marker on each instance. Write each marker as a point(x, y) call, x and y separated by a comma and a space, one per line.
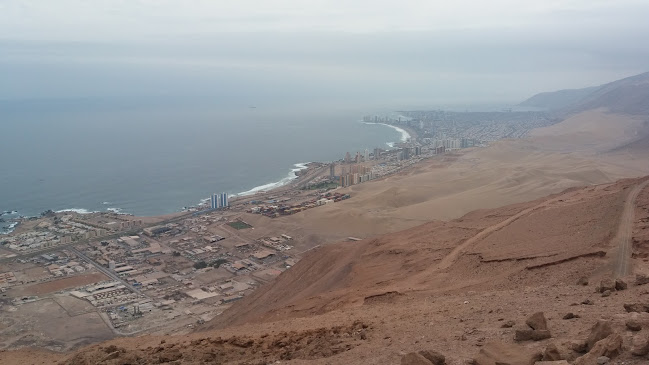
point(463, 288)
point(582, 150)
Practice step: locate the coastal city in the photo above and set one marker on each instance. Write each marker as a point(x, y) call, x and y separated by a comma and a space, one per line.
point(116, 274)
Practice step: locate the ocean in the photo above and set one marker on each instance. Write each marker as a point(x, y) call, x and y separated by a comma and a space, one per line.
point(156, 157)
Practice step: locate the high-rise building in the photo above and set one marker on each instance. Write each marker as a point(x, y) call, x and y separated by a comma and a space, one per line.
point(406, 153)
point(224, 200)
point(219, 201)
point(367, 155)
point(377, 153)
point(348, 158)
point(215, 202)
point(332, 170)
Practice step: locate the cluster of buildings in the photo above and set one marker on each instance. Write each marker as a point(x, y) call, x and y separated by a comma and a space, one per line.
point(451, 143)
point(274, 211)
point(218, 201)
point(65, 228)
point(356, 174)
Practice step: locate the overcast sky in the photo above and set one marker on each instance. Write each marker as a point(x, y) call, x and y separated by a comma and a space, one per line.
point(404, 52)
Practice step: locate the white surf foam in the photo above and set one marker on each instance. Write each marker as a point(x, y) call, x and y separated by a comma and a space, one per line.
point(405, 136)
point(291, 176)
point(75, 210)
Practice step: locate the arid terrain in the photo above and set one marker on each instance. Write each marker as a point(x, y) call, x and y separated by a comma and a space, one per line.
point(456, 287)
point(458, 257)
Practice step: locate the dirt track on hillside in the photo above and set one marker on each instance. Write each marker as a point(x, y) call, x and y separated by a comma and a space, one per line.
point(625, 232)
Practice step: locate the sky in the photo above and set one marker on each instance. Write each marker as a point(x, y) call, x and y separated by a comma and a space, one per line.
point(396, 54)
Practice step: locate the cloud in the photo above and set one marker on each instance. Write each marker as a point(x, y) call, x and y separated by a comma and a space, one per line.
point(129, 19)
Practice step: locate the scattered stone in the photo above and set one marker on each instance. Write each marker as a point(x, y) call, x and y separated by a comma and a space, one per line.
point(433, 356)
point(559, 362)
point(551, 353)
point(527, 334)
point(537, 321)
point(580, 347)
point(636, 307)
point(602, 360)
point(587, 302)
point(571, 316)
point(606, 293)
point(363, 335)
point(414, 358)
point(620, 284)
point(606, 284)
point(641, 279)
point(640, 346)
point(633, 325)
point(601, 330)
point(506, 353)
point(508, 324)
point(582, 281)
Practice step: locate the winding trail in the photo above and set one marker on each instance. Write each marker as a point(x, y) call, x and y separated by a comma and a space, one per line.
point(625, 233)
point(450, 259)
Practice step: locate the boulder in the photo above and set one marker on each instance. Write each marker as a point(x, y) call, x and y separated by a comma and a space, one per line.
point(537, 321)
point(582, 281)
point(606, 284)
point(640, 345)
point(610, 347)
point(620, 284)
point(587, 302)
point(506, 353)
point(559, 362)
point(636, 307)
point(526, 334)
point(606, 293)
point(414, 358)
point(641, 279)
point(433, 356)
point(600, 331)
point(570, 316)
point(508, 324)
point(633, 325)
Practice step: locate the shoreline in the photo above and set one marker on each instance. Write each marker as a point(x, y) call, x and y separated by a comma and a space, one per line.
point(293, 178)
point(405, 135)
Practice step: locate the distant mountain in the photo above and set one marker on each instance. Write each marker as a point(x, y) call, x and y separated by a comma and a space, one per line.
point(629, 96)
point(555, 100)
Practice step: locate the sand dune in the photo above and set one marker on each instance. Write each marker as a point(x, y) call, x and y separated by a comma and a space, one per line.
point(506, 172)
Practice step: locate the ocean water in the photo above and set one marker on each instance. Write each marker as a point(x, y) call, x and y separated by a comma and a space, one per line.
point(151, 158)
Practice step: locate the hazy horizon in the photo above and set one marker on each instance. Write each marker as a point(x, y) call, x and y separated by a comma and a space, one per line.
point(330, 54)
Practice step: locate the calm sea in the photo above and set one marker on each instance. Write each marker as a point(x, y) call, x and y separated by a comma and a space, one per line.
point(155, 157)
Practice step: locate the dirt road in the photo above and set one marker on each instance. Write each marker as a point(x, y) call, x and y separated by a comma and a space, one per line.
point(625, 233)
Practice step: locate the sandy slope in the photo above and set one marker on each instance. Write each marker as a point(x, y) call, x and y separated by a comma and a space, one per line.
point(571, 153)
